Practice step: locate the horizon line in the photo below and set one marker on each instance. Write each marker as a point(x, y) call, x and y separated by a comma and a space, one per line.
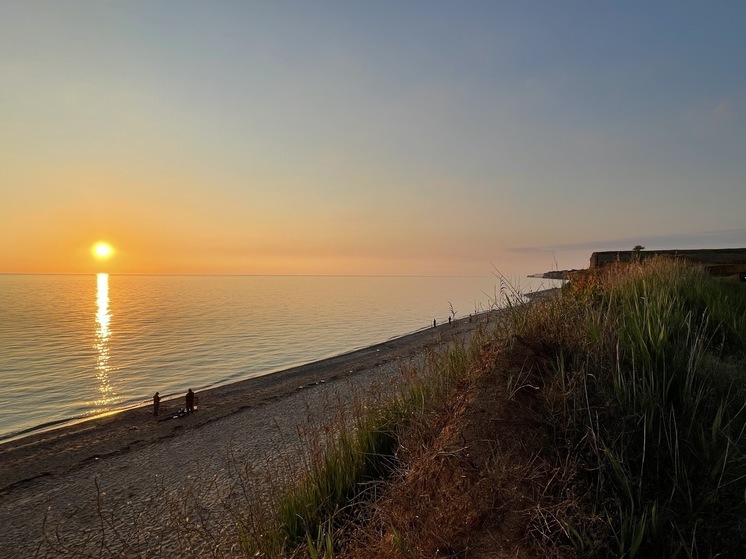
point(244, 275)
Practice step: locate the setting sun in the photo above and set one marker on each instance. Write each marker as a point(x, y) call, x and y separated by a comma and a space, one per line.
point(102, 251)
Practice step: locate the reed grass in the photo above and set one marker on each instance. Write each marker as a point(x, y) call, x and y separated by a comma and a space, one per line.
point(651, 369)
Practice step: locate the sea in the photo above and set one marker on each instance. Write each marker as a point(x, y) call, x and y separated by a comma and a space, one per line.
point(74, 347)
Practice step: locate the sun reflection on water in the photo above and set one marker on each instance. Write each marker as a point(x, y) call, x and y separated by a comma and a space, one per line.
point(107, 395)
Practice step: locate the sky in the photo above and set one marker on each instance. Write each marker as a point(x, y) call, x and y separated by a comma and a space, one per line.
point(367, 138)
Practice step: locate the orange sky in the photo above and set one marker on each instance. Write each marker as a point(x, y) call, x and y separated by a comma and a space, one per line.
point(308, 138)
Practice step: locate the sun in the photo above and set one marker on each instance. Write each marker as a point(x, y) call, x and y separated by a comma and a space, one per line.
point(102, 251)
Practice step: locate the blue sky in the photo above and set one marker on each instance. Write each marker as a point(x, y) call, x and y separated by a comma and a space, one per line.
point(436, 138)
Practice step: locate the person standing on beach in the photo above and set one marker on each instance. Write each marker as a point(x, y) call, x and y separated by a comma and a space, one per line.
point(156, 403)
point(190, 401)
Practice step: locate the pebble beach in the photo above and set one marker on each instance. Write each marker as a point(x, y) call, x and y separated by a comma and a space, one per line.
point(55, 487)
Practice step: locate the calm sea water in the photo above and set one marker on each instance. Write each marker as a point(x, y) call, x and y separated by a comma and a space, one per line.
point(73, 347)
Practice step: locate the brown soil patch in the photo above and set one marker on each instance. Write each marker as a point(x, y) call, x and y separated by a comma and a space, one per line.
point(477, 475)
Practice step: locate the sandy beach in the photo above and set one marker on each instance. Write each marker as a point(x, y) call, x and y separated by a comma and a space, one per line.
point(120, 462)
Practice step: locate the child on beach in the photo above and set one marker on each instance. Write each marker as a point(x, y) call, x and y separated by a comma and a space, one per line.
point(156, 403)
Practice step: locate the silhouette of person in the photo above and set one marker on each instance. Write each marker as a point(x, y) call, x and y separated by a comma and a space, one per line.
point(190, 401)
point(156, 403)
point(449, 320)
point(434, 323)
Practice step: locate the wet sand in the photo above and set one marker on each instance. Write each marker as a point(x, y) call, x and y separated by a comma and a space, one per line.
point(132, 455)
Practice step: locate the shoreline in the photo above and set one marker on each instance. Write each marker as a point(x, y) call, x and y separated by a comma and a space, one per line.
point(55, 485)
point(168, 401)
point(71, 446)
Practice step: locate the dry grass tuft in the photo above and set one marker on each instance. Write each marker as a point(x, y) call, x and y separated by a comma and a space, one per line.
point(475, 471)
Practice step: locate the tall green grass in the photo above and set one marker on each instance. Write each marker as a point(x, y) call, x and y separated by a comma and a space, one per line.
point(652, 376)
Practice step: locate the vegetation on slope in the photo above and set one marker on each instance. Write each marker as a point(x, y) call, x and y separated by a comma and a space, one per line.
point(607, 421)
point(656, 410)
